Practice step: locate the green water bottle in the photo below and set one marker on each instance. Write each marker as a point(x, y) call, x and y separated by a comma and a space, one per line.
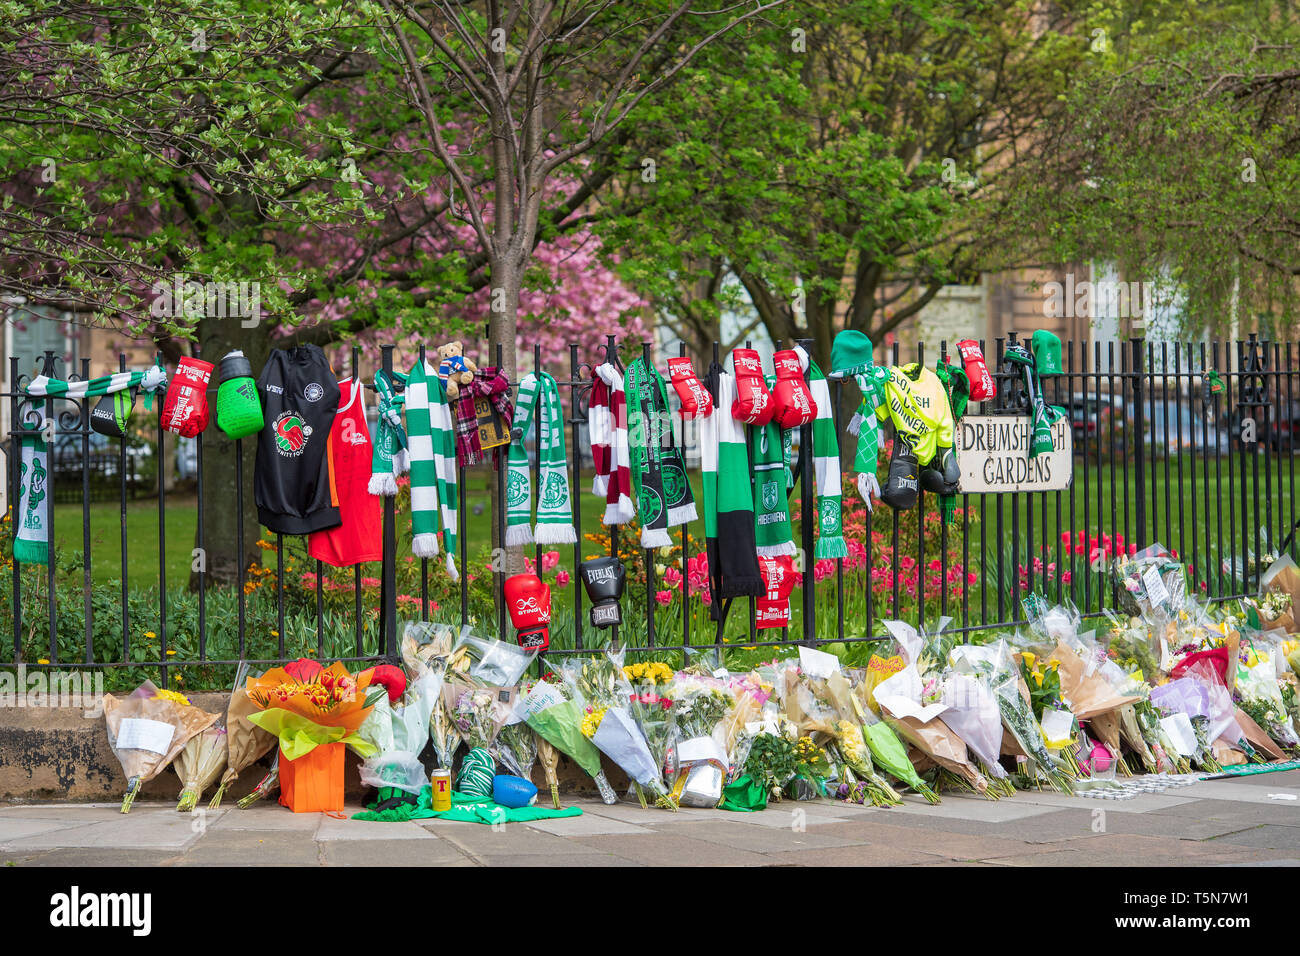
point(239, 410)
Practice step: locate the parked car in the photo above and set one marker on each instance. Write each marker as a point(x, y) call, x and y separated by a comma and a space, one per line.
point(104, 461)
point(1283, 425)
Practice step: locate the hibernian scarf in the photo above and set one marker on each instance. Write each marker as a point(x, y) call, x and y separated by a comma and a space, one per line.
point(769, 448)
point(150, 380)
point(826, 465)
point(607, 428)
point(554, 507)
point(663, 492)
point(957, 386)
point(32, 543)
point(431, 440)
point(389, 458)
point(728, 504)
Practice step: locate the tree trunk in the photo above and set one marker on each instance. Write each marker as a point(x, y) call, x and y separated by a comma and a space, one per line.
point(221, 516)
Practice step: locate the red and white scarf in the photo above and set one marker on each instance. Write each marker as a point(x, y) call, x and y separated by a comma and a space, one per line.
point(607, 426)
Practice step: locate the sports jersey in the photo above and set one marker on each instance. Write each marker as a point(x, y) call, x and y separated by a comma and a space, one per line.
point(292, 482)
point(916, 402)
point(359, 537)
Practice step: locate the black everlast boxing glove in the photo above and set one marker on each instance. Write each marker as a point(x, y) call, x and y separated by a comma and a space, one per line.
point(603, 578)
point(903, 486)
point(941, 475)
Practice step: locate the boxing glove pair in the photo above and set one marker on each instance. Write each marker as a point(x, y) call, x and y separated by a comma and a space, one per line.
point(529, 603)
point(906, 477)
point(773, 608)
point(789, 402)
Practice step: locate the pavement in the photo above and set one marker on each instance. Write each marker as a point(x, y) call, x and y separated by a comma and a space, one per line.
point(1249, 821)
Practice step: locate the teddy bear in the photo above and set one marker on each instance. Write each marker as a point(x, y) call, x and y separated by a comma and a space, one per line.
point(454, 370)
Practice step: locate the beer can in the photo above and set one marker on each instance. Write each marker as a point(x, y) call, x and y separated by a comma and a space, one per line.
point(440, 787)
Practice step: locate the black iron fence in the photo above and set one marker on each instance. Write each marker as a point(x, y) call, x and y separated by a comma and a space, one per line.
point(1191, 445)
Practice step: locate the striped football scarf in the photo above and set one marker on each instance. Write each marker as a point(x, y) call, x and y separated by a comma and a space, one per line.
point(539, 397)
point(663, 493)
point(728, 504)
point(431, 443)
point(826, 465)
point(389, 457)
point(150, 380)
point(607, 426)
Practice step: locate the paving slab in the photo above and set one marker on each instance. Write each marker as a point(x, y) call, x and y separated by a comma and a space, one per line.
point(670, 848)
point(173, 831)
point(331, 828)
point(931, 841)
point(861, 855)
point(979, 809)
point(399, 852)
point(755, 839)
point(488, 844)
point(589, 824)
point(252, 848)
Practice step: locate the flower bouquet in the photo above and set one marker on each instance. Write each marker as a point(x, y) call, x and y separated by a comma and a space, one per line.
point(147, 730)
point(699, 750)
point(516, 744)
point(772, 762)
point(557, 721)
point(313, 711)
point(601, 690)
point(398, 728)
point(651, 705)
point(973, 714)
point(887, 751)
point(810, 709)
point(246, 743)
point(199, 764)
point(1019, 721)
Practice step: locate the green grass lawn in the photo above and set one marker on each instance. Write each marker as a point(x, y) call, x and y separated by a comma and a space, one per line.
point(1050, 516)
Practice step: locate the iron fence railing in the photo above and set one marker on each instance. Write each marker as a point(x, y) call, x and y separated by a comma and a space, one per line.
point(1159, 456)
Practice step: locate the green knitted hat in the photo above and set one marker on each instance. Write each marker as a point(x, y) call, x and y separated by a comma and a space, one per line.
point(1047, 352)
point(850, 354)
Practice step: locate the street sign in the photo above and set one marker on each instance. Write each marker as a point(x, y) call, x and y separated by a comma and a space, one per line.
point(993, 455)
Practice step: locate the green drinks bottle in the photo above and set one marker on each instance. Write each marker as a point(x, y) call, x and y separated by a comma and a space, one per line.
point(239, 410)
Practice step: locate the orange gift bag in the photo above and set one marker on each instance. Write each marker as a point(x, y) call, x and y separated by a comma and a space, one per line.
point(314, 782)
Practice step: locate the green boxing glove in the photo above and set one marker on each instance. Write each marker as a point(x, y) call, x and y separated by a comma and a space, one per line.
point(239, 410)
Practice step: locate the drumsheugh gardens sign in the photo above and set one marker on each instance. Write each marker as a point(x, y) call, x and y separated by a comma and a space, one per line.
point(993, 454)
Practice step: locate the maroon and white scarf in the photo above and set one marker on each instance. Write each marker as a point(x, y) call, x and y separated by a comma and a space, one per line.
point(607, 427)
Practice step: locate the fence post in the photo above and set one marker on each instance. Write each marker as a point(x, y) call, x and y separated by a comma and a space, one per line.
point(807, 519)
point(1139, 430)
point(388, 574)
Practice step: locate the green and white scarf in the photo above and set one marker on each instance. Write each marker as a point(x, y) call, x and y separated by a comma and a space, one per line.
point(430, 441)
point(554, 506)
point(32, 543)
point(149, 380)
point(659, 482)
point(826, 465)
point(389, 457)
point(728, 504)
point(866, 426)
point(769, 448)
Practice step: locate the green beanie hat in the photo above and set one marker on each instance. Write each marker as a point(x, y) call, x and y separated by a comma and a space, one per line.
point(1047, 353)
point(850, 354)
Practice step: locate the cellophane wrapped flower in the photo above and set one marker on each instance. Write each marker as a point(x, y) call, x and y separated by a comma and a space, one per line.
point(199, 765)
point(473, 710)
point(147, 730)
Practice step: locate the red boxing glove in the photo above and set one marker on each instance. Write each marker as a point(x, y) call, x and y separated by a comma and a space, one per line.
point(982, 387)
point(790, 396)
point(753, 404)
point(529, 601)
point(185, 410)
point(695, 398)
point(773, 609)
